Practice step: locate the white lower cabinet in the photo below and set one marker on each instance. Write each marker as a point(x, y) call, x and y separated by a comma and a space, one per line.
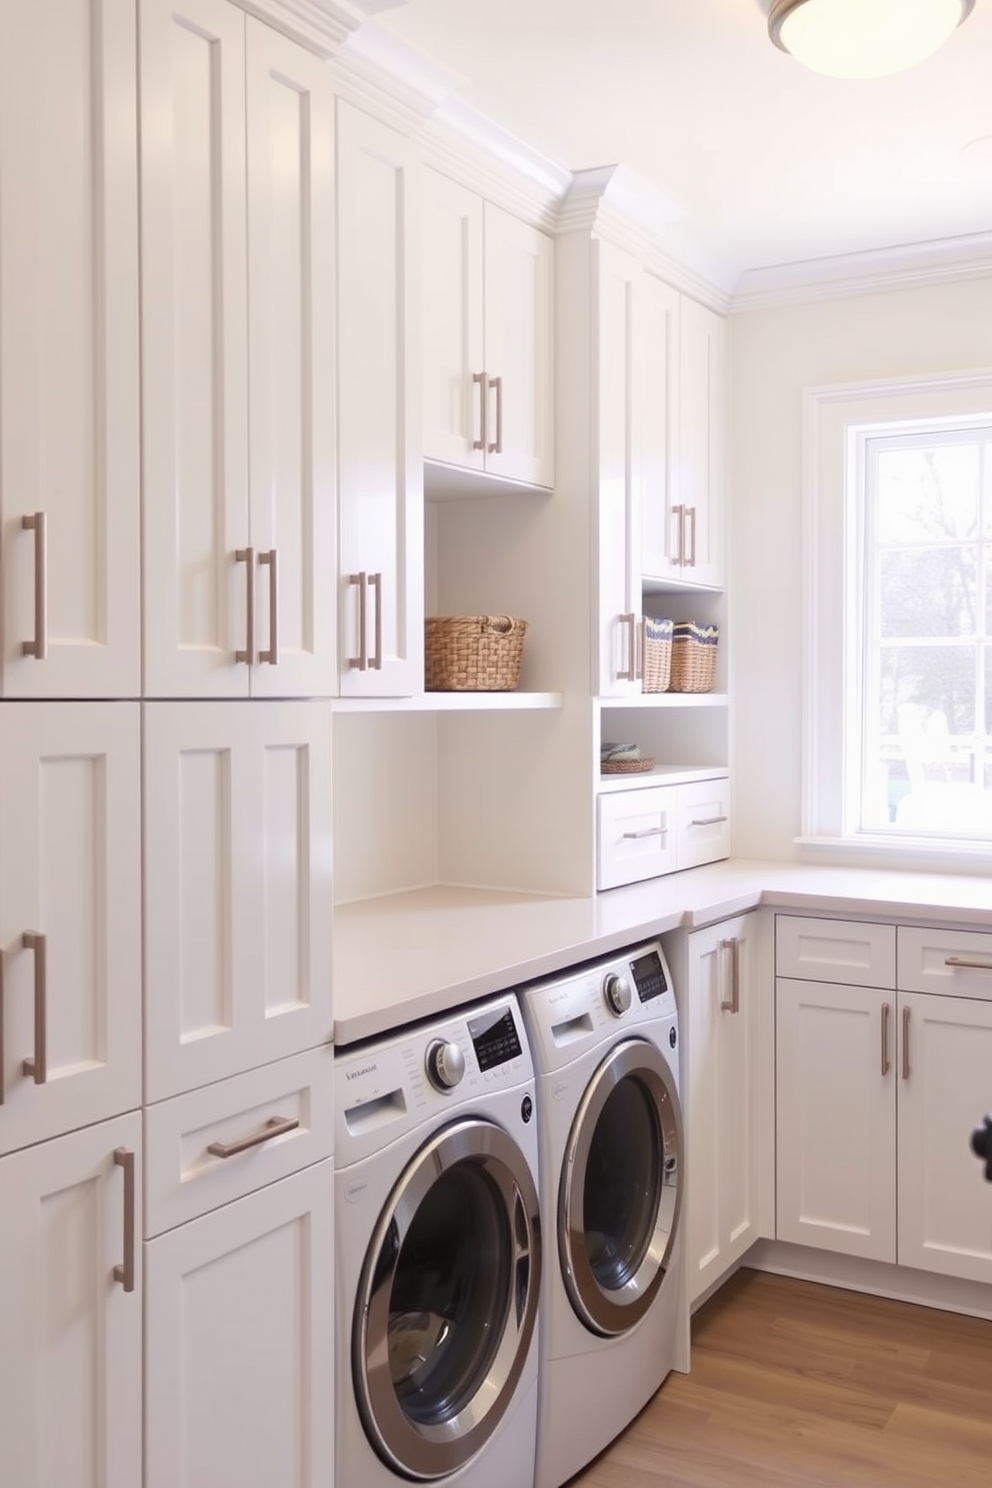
point(647, 831)
point(878, 1090)
point(240, 1342)
point(728, 1157)
point(70, 1299)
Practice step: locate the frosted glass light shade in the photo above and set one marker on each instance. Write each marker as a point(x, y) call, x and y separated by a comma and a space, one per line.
point(863, 38)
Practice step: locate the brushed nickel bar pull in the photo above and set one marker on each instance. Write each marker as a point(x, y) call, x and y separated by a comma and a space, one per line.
point(639, 649)
point(905, 1043)
point(361, 661)
point(691, 514)
point(38, 524)
point(375, 582)
point(886, 1063)
point(247, 557)
point(708, 821)
point(970, 965)
point(124, 1273)
point(734, 1005)
point(37, 1065)
point(3, 1053)
point(276, 1126)
point(497, 448)
point(647, 832)
point(483, 381)
point(630, 674)
point(679, 512)
point(271, 652)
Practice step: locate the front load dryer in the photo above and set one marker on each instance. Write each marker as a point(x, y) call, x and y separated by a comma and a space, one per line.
point(438, 1254)
point(614, 1305)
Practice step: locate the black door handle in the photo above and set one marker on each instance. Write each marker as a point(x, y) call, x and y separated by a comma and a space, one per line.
point(981, 1145)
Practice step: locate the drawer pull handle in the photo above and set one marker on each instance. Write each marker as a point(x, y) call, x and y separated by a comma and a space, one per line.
point(247, 557)
point(483, 382)
point(734, 946)
point(124, 1273)
point(886, 1011)
point(276, 1126)
point(497, 448)
point(964, 962)
point(648, 832)
point(630, 673)
point(37, 1065)
point(708, 821)
point(271, 652)
point(38, 647)
point(375, 582)
point(905, 1043)
point(361, 661)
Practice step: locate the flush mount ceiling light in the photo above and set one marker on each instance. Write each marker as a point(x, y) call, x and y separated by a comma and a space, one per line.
point(863, 38)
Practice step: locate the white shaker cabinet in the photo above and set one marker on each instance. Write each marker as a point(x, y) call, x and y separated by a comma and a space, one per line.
point(240, 1329)
point(702, 444)
point(663, 523)
point(71, 1297)
point(237, 356)
point(70, 916)
point(69, 462)
point(728, 1121)
point(489, 337)
point(237, 878)
point(380, 456)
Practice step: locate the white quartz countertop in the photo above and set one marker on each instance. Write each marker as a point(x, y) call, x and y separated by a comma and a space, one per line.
point(415, 955)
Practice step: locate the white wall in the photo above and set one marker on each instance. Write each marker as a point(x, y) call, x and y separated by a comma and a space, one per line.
point(776, 354)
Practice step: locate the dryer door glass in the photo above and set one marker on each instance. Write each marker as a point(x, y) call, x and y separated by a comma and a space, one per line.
point(447, 1301)
point(619, 1196)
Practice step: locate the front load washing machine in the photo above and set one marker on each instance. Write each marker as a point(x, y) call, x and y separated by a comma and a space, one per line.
point(438, 1254)
point(614, 1306)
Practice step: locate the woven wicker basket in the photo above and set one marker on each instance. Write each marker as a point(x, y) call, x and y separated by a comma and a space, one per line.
point(657, 669)
point(472, 653)
point(693, 656)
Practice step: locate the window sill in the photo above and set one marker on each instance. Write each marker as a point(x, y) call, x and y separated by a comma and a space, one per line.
point(912, 853)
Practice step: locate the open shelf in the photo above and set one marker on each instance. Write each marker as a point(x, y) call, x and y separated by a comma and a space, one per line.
point(451, 702)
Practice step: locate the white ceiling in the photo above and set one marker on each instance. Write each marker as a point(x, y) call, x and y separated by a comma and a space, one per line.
point(763, 162)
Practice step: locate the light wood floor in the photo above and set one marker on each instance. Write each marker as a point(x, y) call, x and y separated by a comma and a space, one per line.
point(795, 1385)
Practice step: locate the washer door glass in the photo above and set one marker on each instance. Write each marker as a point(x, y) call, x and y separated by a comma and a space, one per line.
point(447, 1300)
point(619, 1198)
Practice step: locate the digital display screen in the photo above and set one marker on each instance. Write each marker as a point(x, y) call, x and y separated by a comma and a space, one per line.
point(649, 976)
point(495, 1039)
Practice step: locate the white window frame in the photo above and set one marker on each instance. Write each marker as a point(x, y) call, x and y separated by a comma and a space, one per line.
point(832, 652)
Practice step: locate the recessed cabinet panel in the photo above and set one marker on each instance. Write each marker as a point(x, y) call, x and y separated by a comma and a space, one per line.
point(69, 464)
point(194, 347)
point(843, 951)
point(454, 348)
point(636, 835)
point(237, 888)
point(71, 1403)
point(240, 1341)
point(956, 962)
point(703, 822)
point(662, 517)
point(70, 916)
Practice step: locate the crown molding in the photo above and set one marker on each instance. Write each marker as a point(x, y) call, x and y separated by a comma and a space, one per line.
point(322, 26)
point(459, 141)
point(909, 266)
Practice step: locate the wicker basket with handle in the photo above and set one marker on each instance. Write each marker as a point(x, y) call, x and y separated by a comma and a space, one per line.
point(693, 656)
point(472, 653)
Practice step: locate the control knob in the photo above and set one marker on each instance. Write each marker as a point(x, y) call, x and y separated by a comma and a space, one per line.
point(445, 1064)
point(981, 1145)
point(616, 990)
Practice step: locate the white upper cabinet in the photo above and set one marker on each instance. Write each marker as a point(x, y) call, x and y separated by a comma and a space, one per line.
point(69, 465)
point(488, 337)
point(702, 444)
point(662, 515)
point(237, 879)
point(615, 286)
point(70, 916)
point(380, 451)
point(237, 356)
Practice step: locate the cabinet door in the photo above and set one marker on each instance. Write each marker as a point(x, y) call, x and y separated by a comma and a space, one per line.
point(836, 1118)
point(723, 1122)
point(237, 888)
point(69, 349)
point(519, 336)
point(702, 439)
point(702, 822)
point(453, 389)
point(240, 1331)
point(945, 1069)
point(618, 555)
point(194, 349)
point(70, 916)
point(291, 365)
point(70, 1407)
point(380, 463)
point(662, 522)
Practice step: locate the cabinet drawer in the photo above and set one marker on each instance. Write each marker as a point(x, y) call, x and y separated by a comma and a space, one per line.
point(958, 962)
point(847, 951)
point(636, 835)
point(184, 1178)
point(702, 833)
